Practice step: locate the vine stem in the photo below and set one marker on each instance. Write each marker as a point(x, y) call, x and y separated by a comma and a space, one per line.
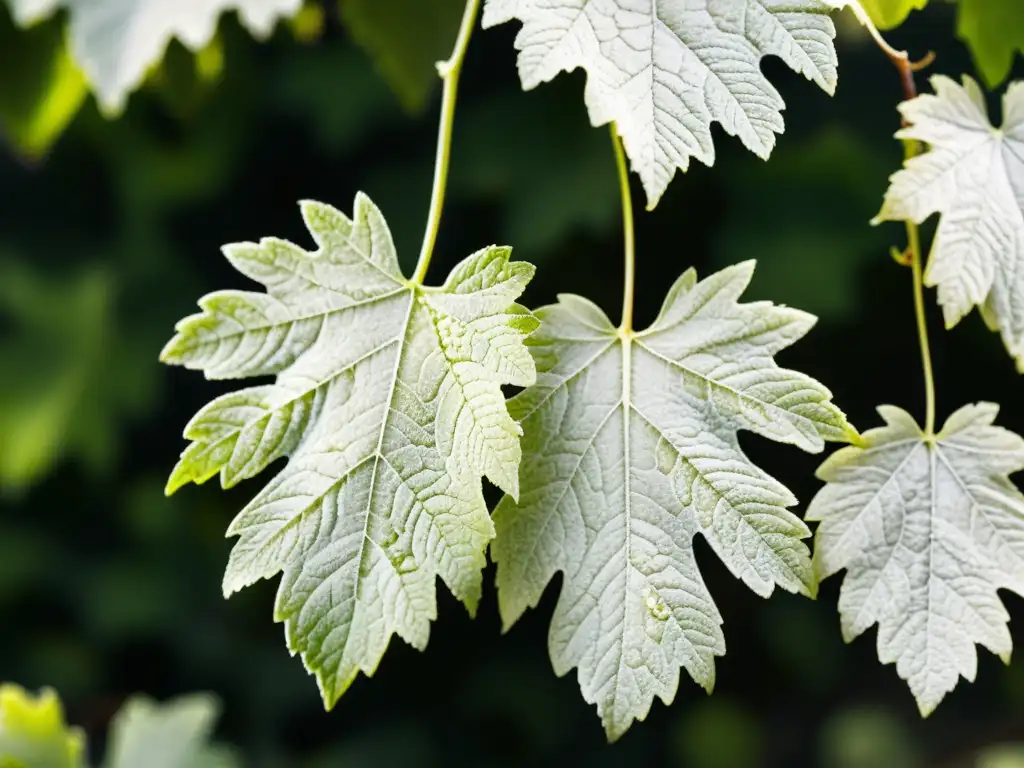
point(911, 148)
point(914, 247)
point(449, 71)
point(628, 239)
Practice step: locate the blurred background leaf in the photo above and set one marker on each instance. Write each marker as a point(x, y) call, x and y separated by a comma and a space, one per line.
point(1002, 756)
point(721, 734)
point(74, 373)
point(33, 733)
point(41, 89)
point(406, 38)
point(994, 31)
point(866, 738)
point(888, 14)
point(174, 734)
point(116, 42)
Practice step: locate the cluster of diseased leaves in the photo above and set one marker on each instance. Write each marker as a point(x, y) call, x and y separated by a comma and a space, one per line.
point(387, 402)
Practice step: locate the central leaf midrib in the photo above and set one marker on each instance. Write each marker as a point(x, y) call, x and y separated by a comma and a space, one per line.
point(375, 456)
point(625, 402)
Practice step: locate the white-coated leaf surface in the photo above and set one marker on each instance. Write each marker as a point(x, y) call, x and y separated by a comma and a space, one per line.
point(973, 175)
point(664, 70)
point(388, 404)
point(630, 450)
point(928, 531)
point(116, 41)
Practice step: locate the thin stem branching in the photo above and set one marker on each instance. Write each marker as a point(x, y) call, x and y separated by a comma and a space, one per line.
point(912, 256)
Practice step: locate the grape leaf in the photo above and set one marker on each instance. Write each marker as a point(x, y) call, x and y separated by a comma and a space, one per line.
point(406, 38)
point(666, 69)
point(928, 529)
point(994, 32)
point(33, 732)
point(116, 41)
point(388, 402)
point(974, 176)
point(889, 14)
point(175, 734)
point(630, 450)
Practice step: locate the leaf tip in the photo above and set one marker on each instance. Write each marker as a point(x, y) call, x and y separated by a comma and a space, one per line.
point(230, 584)
point(926, 706)
point(614, 731)
point(811, 585)
point(170, 354)
point(173, 484)
point(708, 684)
point(472, 603)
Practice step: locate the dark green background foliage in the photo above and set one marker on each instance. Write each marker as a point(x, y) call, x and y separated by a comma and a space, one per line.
point(107, 588)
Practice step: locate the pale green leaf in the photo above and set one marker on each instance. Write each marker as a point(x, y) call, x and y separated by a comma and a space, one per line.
point(406, 38)
point(666, 69)
point(116, 41)
point(994, 32)
point(973, 175)
point(175, 734)
point(630, 450)
point(33, 733)
point(388, 403)
point(889, 14)
point(928, 530)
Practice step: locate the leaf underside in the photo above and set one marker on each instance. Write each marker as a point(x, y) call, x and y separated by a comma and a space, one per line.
point(630, 449)
point(928, 531)
point(973, 175)
point(116, 41)
point(388, 404)
point(664, 70)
